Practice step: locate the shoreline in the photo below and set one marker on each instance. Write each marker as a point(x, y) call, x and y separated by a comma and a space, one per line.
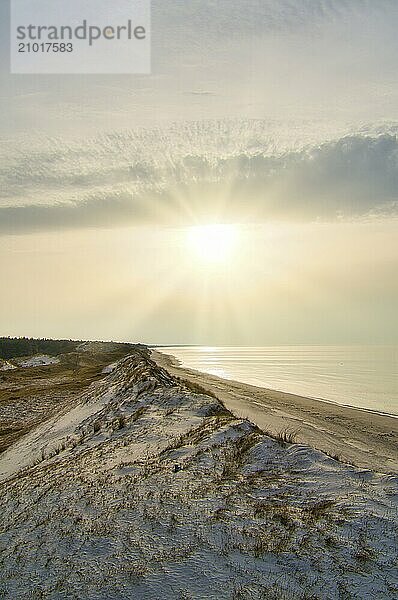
point(357, 436)
point(176, 362)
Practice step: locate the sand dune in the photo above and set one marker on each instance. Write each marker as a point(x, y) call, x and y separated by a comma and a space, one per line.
point(146, 487)
point(360, 437)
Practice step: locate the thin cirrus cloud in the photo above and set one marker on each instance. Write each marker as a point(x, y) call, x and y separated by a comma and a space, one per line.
point(320, 60)
point(129, 179)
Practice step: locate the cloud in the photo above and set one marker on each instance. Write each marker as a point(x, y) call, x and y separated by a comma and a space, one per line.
point(226, 18)
point(354, 176)
point(92, 212)
point(258, 58)
point(195, 172)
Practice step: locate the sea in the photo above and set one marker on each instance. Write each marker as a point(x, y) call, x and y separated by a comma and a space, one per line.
point(360, 376)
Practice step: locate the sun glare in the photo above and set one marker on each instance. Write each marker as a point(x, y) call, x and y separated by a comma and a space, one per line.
point(212, 244)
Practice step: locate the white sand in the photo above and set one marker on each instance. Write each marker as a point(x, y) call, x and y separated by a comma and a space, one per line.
point(359, 437)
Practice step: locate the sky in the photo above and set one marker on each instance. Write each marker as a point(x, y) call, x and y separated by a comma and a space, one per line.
point(272, 122)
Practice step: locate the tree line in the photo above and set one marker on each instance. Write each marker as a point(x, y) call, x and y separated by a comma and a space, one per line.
point(12, 347)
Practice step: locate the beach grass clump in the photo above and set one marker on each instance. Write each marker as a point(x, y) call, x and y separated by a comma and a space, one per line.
point(286, 436)
point(320, 509)
point(137, 414)
point(336, 456)
point(97, 426)
point(119, 423)
point(283, 437)
point(196, 388)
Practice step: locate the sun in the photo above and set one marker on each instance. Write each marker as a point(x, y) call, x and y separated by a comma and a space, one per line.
point(212, 244)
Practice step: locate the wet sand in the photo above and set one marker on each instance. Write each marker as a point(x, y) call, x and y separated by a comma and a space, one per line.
point(360, 437)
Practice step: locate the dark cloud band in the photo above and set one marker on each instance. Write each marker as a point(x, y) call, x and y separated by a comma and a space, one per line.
point(353, 177)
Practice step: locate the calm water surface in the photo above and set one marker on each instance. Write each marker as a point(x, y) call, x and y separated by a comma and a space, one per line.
point(361, 376)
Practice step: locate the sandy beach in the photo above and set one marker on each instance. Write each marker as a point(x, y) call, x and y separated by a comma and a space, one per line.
point(359, 437)
point(140, 485)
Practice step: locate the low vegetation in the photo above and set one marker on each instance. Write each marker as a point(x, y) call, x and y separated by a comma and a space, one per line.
point(30, 395)
point(150, 489)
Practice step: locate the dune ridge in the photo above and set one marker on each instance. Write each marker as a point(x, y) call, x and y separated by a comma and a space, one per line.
point(148, 487)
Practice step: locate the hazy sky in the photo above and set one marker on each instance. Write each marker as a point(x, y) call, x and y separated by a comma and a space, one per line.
point(277, 116)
